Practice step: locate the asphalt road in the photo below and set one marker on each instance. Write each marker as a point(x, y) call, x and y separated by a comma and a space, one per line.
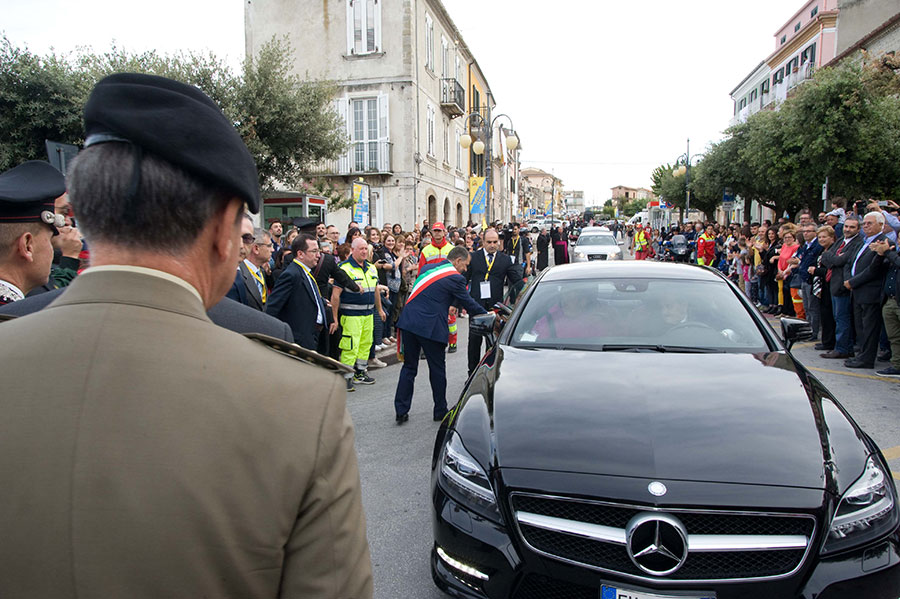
point(395, 461)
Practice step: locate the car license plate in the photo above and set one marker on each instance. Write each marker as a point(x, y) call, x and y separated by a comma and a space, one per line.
point(608, 592)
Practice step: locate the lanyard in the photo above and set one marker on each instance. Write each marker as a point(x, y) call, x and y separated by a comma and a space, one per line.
point(490, 264)
point(515, 243)
point(308, 274)
point(262, 283)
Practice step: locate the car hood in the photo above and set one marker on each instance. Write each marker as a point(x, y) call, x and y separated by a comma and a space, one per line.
point(737, 418)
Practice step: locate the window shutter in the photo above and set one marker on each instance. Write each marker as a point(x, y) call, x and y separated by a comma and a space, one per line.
point(342, 105)
point(378, 47)
point(349, 27)
point(384, 134)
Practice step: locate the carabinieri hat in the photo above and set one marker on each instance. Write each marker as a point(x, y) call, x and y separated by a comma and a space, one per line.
point(178, 123)
point(28, 193)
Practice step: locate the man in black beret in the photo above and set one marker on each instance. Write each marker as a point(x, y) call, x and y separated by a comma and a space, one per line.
point(138, 437)
point(28, 221)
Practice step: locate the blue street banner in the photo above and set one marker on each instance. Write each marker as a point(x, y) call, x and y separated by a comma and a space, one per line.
point(361, 203)
point(477, 194)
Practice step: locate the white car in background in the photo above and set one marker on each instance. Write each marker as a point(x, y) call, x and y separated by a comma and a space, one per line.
point(596, 243)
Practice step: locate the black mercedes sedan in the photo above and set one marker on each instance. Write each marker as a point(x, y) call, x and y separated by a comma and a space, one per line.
point(638, 431)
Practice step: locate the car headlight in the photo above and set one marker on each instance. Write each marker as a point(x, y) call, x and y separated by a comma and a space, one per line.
point(580, 255)
point(865, 512)
point(466, 480)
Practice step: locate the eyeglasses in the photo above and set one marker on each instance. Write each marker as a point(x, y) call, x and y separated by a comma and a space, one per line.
point(247, 238)
point(265, 245)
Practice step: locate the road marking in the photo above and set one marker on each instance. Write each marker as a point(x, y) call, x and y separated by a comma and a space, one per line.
point(891, 453)
point(855, 374)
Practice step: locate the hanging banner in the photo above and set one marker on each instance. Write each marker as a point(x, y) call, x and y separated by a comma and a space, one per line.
point(360, 203)
point(477, 195)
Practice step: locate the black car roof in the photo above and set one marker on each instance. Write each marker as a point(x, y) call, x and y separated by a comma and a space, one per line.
point(602, 269)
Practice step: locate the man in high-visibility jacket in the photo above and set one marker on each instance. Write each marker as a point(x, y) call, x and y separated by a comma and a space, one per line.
point(706, 247)
point(355, 312)
point(434, 252)
point(641, 243)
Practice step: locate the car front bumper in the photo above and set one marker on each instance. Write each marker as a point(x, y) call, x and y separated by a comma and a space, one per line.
point(475, 558)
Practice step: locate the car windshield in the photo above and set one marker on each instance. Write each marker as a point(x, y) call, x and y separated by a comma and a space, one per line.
point(597, 239)
point(637, 315)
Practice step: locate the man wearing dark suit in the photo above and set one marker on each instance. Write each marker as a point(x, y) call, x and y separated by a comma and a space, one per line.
point(249, 285)
point(228, 314)
point(296, 299)
point(488, 270)
point(890, 312)
point(838, 261)
point(866, 283)
point(423, 325)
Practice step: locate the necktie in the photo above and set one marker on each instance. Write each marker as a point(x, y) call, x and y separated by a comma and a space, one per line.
point(838, 253)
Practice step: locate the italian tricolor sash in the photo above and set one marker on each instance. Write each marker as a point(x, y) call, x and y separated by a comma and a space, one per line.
point(427, 278)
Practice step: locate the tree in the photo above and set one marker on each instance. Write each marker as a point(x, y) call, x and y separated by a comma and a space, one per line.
point(288, 123)
point(633, 207)
point(40, 100)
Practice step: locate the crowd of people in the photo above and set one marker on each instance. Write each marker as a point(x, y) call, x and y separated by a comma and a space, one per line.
point(837, 270)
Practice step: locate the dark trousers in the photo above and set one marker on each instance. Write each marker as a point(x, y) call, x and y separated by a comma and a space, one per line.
point(828, 336)
point(437, 372)
point(868, 328)
point(843, 323)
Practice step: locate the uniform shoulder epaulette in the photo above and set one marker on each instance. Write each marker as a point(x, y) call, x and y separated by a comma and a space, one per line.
point(299, 353)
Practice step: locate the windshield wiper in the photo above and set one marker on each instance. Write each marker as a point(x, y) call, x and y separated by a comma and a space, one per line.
point(675, 349)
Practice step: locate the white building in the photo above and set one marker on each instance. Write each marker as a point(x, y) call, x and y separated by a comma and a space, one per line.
point(405, 78)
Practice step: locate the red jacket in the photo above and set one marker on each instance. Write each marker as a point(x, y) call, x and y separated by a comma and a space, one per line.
point(706, 249)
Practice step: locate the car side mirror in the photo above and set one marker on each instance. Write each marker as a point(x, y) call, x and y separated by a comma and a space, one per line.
point(483, 325)
point(795, 329)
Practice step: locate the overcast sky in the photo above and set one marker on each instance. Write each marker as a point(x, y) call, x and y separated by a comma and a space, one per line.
point(600, 92)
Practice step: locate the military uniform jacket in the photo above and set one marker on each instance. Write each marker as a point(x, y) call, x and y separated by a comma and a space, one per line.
point(147, 453)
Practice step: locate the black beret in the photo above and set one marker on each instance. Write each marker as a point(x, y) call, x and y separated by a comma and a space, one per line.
point(28, 193)
point(302, 222)
point(176, 122)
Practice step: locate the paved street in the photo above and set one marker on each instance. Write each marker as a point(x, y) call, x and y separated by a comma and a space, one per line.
point(395, 461)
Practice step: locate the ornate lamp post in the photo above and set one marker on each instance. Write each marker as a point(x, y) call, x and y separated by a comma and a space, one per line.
point(479, 146)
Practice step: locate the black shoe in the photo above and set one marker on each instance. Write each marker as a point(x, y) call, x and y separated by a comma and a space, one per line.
point(854, 363)
point(822, 347)
point(350, 387)
point(777, 311)
point(451, 349)
point(401, 418)
point(437, 418)
point(890, 371)
point(885, 356)
point(362, 378)
point(835, 355)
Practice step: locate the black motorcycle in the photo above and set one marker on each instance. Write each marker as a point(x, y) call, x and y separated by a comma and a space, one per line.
point(677, 249)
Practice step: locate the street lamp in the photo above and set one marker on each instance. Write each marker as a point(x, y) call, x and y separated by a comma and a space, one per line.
point(685, 170)
point(479, 146)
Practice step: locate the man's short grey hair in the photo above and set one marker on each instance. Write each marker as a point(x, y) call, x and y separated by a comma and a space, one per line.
point(259, 235)
point(458, 252)
point(168, 212)
point(879, 217)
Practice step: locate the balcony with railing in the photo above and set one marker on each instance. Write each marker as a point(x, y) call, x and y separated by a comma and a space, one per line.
point(453, 97)
point(362, 158)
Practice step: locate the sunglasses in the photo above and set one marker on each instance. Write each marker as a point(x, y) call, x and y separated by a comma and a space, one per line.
point(247, 238)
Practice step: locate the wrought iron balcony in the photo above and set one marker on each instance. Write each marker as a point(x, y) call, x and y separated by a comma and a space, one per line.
point(363, 157)
point(453, 97)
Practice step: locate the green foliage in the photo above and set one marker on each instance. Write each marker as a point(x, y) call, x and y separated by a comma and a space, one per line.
point(608, 210)
point(844, 124)
point(633, 207)
point(40, 100)
point(288, 123)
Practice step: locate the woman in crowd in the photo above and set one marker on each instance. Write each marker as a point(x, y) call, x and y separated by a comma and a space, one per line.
point(767, 283)
point(789, 247)
point(822, 290)
point(397, 230)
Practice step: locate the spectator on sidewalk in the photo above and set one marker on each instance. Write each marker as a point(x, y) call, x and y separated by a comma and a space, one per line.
point(866, 284)
point(821, 289)
point(808, 253)
point(887, 254)
point(296, 298)
point(838, 263)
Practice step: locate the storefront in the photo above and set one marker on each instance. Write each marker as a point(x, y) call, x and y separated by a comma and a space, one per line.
point(285, 206)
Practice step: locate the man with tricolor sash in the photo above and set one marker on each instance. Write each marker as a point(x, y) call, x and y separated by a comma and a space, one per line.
point(423, 327)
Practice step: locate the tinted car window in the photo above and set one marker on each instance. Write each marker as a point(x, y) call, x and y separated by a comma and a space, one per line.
point(597, 240)
point(600, 314)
